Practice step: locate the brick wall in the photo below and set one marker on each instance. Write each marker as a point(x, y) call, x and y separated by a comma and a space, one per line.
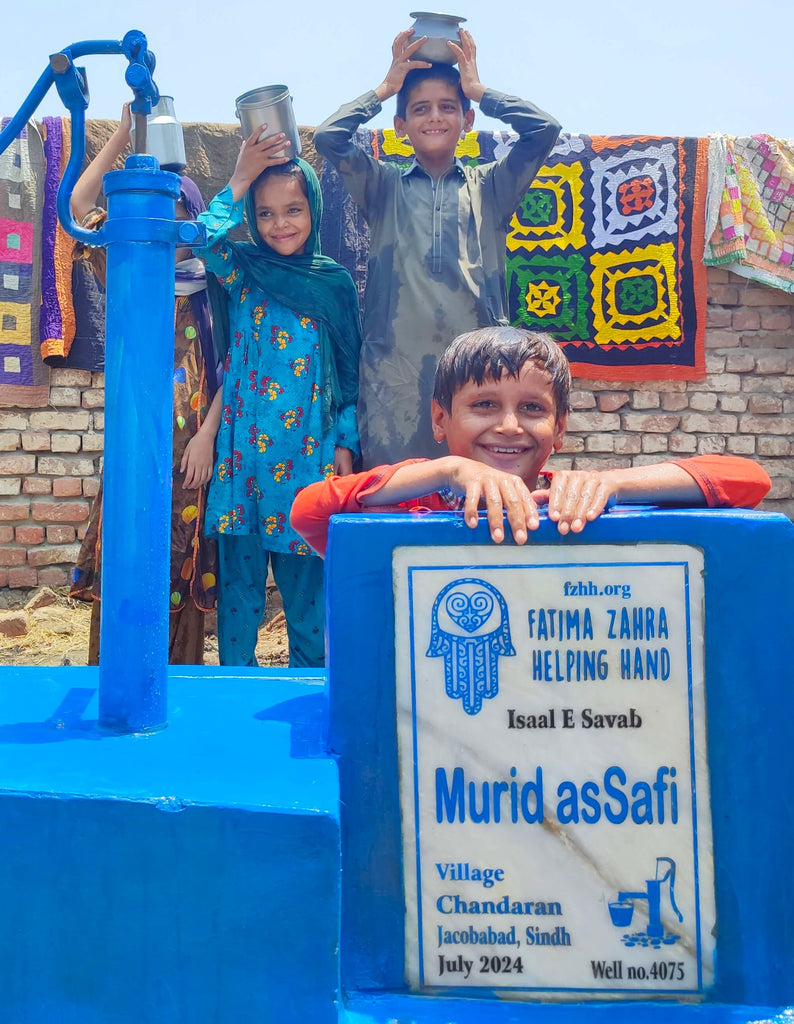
point(50, 459)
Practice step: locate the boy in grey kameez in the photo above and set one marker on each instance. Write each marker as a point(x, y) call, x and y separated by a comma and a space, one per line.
point(437, 232)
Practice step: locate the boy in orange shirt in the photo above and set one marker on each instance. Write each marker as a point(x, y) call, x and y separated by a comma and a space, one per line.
point(501, 402)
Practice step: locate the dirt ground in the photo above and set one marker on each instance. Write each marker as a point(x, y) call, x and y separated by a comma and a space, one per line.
point(57, 634)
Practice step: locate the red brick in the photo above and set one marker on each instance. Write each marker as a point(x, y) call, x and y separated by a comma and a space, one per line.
point(776, 363)
point(722, 339)
point(49, 465)
point(611, 401)
point(584, 422)
point(36, 441)
point(627, 444)
point(743, 444)
point(12, 556)
point(658, 423)
point(582, 399)
point(14, 512)
point(703, 401)
point(571, 444)
point(64, 397)
point(704, 423)
point(781, 488)
point(94, 399)
point(723, 294)
point(36, 485)
point(6, 534)
point(720, 274)
point(67, 487)
point(10, 485)
point(712, 444)
point(767, 425)
point(760, 295)
point(780, 446)
point(75, 421)
point(29, 535)
point(13, 421)
point(17, 465)
point(62, 376)
point(9, 441)
point(3, 578)
point(746, 320)
point(54, 556)
point(607, 462)
point(675, 402)
point(91, 486)
point(24, 577)
point(645, 400)
point(14, 623)
point(60, 512)
point(775, 320)
point(739, 362)
point(716, 317)
point(682, 444)
point(63, 442)
point(733, 403)
point(54, 576)
point(761, 404)
point(60, 534)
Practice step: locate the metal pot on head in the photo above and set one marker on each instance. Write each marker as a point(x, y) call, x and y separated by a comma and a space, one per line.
point(270, 105)
point(164, 137)
point(438, 28)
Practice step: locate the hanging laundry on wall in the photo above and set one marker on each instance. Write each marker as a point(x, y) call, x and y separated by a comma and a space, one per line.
point(750, 210)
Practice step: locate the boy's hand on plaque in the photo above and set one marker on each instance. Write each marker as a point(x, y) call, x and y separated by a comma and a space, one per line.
point(499, 494)
point(575, 498)
point(402, 50)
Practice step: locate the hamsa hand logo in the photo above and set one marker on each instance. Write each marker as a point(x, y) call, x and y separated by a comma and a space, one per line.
point(470, 629)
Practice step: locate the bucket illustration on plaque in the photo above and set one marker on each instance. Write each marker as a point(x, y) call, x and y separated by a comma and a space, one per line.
point(621, 910)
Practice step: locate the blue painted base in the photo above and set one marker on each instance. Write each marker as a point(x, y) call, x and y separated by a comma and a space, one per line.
point(395, 1009)
point(190, 875)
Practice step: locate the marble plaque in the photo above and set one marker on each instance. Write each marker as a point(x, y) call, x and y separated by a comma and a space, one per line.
point(554, 783)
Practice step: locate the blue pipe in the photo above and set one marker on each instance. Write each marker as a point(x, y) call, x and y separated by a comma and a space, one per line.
point(140, 234)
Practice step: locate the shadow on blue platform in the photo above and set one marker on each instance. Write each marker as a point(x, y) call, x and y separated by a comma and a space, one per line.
point(65, 723)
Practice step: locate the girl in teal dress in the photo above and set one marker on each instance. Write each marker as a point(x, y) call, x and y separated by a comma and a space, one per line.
point(289, 394)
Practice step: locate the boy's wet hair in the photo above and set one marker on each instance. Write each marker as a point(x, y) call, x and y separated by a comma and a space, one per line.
point(491, 352)
point(288, 170)
point(436, 73)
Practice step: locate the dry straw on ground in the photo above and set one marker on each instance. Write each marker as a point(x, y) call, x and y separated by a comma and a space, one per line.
point(57, 634)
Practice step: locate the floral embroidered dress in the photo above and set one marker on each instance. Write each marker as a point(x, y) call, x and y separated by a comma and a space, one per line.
point(271, 442)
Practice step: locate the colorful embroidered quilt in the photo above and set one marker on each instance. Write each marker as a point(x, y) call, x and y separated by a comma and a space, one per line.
point(604, 251)
point(56, 323)
point(750, 215)
point(24, 380)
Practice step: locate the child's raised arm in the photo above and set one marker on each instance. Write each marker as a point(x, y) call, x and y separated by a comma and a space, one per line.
point(89, 184)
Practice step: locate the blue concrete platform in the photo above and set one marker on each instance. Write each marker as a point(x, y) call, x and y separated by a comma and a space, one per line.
point(188, 875)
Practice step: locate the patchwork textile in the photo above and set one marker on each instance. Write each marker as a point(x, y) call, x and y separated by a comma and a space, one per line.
point(604, 251)
point(24, 379)
point(750, 214)
point(57, 322)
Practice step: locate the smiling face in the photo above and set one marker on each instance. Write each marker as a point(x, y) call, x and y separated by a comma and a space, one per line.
point(509, 424)
point(434, 120)
point(283, 218)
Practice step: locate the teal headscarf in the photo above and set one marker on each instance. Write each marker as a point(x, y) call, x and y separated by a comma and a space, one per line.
point(312, 285)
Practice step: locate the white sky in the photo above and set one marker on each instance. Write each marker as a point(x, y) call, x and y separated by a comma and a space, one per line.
point(681, 67)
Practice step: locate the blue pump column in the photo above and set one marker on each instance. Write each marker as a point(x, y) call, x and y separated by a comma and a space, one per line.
point(140, 235)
